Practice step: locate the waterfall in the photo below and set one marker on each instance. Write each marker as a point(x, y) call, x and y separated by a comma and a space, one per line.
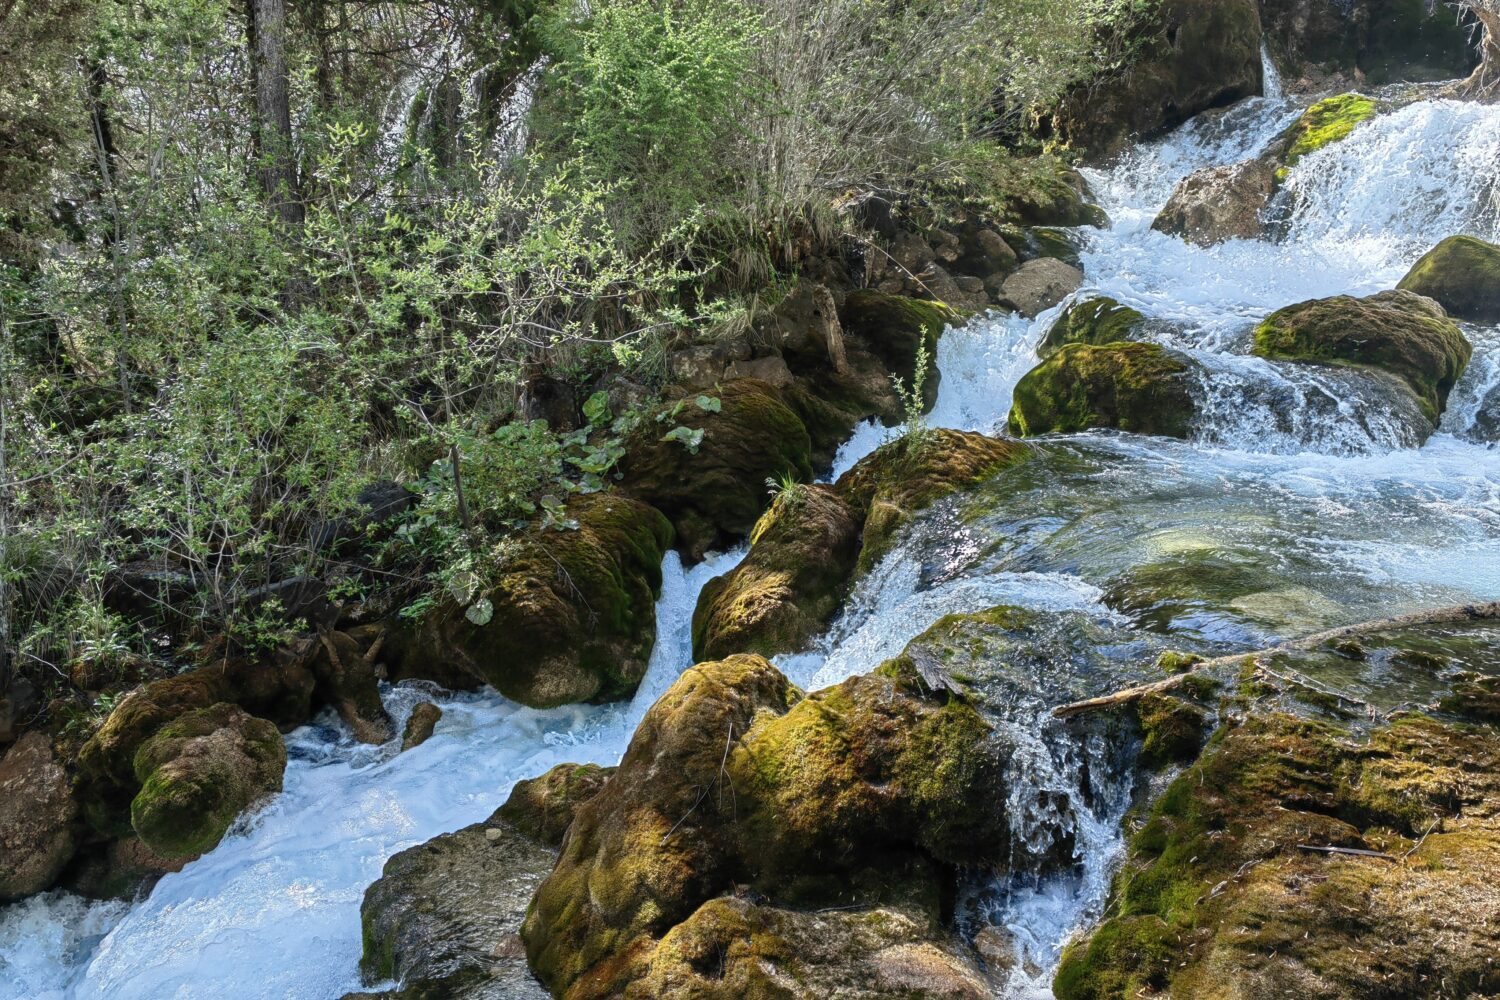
point(1271, 85)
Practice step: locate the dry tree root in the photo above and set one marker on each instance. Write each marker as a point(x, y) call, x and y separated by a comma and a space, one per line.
point(1454, 614)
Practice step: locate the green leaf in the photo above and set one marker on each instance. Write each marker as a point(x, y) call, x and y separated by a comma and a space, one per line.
point(596, 409)
point(480, 612)
point(710, 404)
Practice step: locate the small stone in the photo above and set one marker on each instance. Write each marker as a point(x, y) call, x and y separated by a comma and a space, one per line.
point(419, 725)
point(494, 835)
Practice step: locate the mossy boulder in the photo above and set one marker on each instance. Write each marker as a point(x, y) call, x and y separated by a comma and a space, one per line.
point(543, 808)
point(894, 328)
point(1142, 388)
point(713, 491)
point(802, 553)
point(1329, 121)
point(855, 794)
point(1461, 274)
point(1190, 56)
point(198, 773)
point(571, 611)
point(1399, 332)
point(888, 486)
point(1219, 897)
point(1097, 319)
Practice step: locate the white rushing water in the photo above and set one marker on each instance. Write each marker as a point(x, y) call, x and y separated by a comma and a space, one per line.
point(273, 911)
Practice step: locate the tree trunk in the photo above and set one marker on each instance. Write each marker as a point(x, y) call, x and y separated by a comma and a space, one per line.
point(1484, 84)
point(273, 110)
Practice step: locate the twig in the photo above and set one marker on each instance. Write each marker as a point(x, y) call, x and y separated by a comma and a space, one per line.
point(1437, 616)
point(1432, 826)
point(1355, 851)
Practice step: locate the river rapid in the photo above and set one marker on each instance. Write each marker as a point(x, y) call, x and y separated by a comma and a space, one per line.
point(1287, 471)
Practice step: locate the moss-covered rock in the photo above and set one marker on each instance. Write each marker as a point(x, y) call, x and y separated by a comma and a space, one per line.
point(853, 794)
point(572, 612)
point(1097, 319)
point(1143, 388)
point(1329, 121)
point(802, 555)
point(198, 773)
point(713, 491)
point(1398, 332)
point(894, 328)
point(1219, 898)
point(887, 487)
point(543, 808)
point(1192, 55)
point(1461, 274)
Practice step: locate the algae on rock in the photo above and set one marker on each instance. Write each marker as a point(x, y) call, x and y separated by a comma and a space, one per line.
point(1142, 388)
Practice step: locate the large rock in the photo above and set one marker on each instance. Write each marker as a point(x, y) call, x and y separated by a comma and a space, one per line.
point(1398, 332)
point(543, 808)
point(1098, 319)
point(802, 554)
point(856, 794)
point(1218, 896)
point(1142, 388)
point(1040, 284)
point(1461, 274)
point(568, 616)
point(713, 491)
point(198, 773)
point(1317, 43)
point(1325, 123)
point(1193, 55)
point(1220, 203)
point(895, 328)
point(37, 814)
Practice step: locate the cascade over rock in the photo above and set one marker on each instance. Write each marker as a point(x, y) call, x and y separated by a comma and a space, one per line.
point(1216, 204)
point(1143, 388)
point(1399, 332)
point(1461, 274)
point(1096, 320)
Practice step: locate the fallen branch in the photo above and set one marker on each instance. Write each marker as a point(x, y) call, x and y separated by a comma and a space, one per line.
point(1438, 616)
point(1355, 851)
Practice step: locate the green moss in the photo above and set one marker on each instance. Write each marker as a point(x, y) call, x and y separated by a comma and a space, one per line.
point(1462, 274)
point(1096, 320)
point(1329, 121)
point(1132, 387)
point(1396, 332)
point(1172, 731)
point(894, 328)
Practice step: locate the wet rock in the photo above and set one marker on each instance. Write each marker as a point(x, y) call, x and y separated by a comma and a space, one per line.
point(1461, 274)
point(1059, 198)
point(1040, 284)
point(1318, 43)
point(420, 724)
point(894, 328)
point(542, 808)
point(1142, 388)
point(1329, 121)
point(1398, 332)
point(713, 492)
point(1096, 320)
point(1222, 203)
point(1217, 889)
point(853, 794)
point(731, 948)
point(913, 472)
point(443, 916)
point(802, 553)
point(569, 615)
point(37, 814)
point(1193, 55)
point(198, 773)
point(123, 868)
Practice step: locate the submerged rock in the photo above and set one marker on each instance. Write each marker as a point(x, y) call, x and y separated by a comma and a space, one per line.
point(1142, 388)
point(1098, 319)
point(198, 773)
point(1219, 896)
point(1221, 203)
point(569, 615)
point(1461, 274)
point(713, 490)
point(37, 817)
point(1398, 332)
point(855, 794)
point(801, 560)
point(1040, 284)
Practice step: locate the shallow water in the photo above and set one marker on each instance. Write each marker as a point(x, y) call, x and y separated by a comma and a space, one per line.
point(1321, 520)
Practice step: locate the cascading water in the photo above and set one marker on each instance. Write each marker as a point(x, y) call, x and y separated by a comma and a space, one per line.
point(1335, 505)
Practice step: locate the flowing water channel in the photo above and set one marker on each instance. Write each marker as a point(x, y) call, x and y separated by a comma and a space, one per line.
point(1295, 485)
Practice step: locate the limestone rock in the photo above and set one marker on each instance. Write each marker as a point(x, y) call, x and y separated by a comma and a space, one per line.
point(1222, 203)
point(543, 808)
point(37, 814)
point(1142, 388)
point(420, 724)
point(1461, 274)
point(1040, 284)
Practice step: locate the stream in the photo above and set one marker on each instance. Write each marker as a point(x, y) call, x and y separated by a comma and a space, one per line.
point(1289, 474)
